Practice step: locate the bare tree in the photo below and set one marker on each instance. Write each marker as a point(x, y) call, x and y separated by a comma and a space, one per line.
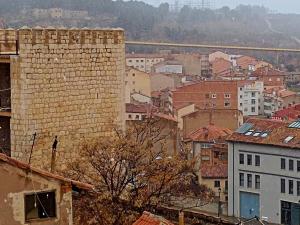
point(129, 175)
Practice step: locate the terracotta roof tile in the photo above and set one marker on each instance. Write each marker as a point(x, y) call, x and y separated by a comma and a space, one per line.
point(220, 66)
point(151, 219)
point(290, 113)
point(209, 133)
point(214, 171)
point(267, 71)
point(276, 133)
point(45, 174)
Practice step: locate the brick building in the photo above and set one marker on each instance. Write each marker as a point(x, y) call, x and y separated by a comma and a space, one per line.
point(270, 76)
point(227, 118)
point(65, 83)
point(208, 94)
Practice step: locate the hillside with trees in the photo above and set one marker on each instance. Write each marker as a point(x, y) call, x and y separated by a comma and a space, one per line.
point(244, 25)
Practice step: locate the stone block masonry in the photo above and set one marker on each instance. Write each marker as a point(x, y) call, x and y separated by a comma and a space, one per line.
point(66, 83)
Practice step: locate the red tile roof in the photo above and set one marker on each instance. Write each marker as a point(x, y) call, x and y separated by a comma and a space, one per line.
point(290, 113)
point(45, 174)
point(267, 71)
point(245, 61)
point(220, 66)
point(209, 133)
point(277, 132)
point(151, 219)
point(214, 171)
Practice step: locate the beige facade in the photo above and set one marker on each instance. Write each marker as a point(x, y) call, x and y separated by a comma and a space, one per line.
point(32, 196)
point(137, 82)
point(181, 112)
point(65, 83)
point(161, 81)
point(218, 55)
point(210, 183)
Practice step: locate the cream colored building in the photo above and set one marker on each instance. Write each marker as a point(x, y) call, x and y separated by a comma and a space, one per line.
point(143, 62)
point(183, 111)
point(218, 55)
point(136, 81)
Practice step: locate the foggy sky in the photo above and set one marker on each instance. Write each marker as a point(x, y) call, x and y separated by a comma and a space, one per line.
point(284, 6)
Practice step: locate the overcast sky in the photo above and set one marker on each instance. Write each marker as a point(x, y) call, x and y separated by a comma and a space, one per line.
point(285, 6)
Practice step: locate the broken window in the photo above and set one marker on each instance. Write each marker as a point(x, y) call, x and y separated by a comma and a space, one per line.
point(40, 205)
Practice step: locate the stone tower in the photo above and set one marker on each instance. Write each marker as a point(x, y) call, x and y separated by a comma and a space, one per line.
point(66, 83)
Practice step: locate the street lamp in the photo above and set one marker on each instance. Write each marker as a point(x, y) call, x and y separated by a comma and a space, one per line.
point(219, 203)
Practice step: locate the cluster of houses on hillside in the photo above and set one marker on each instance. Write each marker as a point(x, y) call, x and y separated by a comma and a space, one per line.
point(236, 114)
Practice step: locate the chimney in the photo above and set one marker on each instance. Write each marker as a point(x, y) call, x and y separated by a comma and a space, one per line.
point(181, 218)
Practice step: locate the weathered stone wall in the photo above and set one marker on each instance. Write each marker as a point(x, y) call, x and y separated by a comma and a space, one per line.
point(68, 83)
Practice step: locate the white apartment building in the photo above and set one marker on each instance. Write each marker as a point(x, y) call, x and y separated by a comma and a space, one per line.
point(250, 98)
point(143, 62)
point(264, 171)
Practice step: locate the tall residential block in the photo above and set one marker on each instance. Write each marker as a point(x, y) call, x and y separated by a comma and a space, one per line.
point(67, 83)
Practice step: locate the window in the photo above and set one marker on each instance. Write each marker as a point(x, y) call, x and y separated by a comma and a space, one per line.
point(298, 188)
point(242, 160)
point(206, 95)
point(242, 180)
point(137, 60)
point(130, 60)
point(249, 160)
point(257, 182)
point(214, 95)
point(227, 96)
point(129, 116)
point(264, 135)
point(245, 109)
point(241, 104)
point(298, 166)
point(253, 94)
point(282, 164)
point(137, 117)
point(291, 165)
point(241, 89)
point(253, 101)
point(133, 74)
point(226, 185)
point(256, 134)
point(249, 180)
point(253, 109)
point(257, 160)
point(282, 185)
point(40, 205)
point(291, 187)
point(227, 104)
point(217, 183)
point(288, 139)
point(249, 133)
point(241, 96)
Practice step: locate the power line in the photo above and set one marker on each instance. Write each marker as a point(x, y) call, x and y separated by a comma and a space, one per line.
point(182, 45)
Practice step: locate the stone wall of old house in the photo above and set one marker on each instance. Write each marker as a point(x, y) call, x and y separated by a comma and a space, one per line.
point(65, 83)
point(19, 183)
